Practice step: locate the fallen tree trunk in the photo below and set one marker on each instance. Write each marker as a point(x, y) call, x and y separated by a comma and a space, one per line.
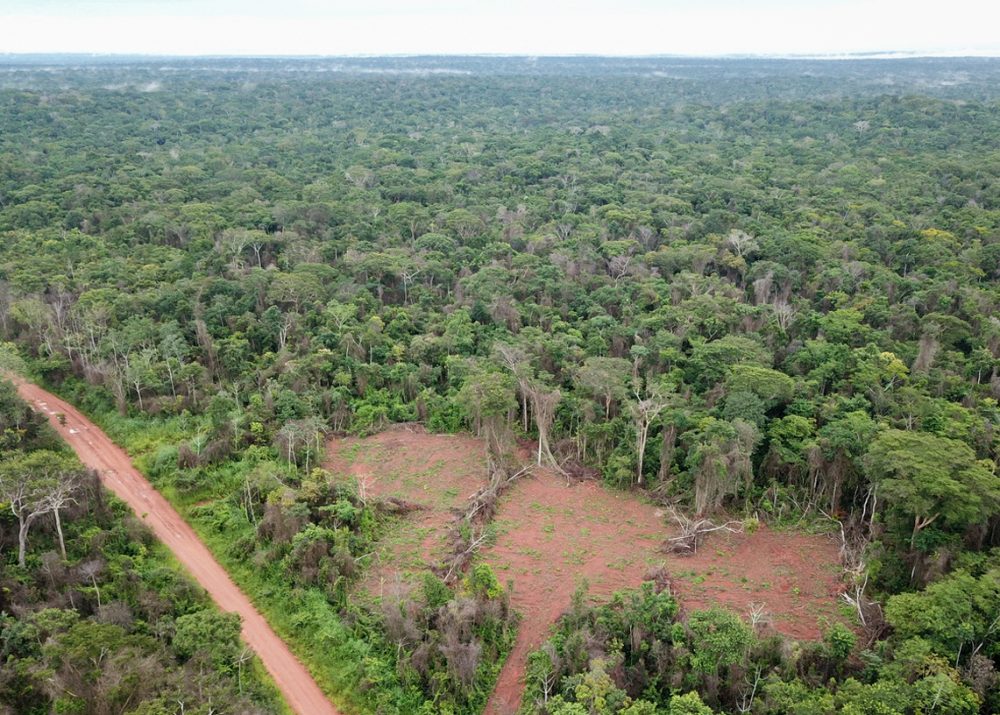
point(693, 533)
point(469, 530)
point(395, 505)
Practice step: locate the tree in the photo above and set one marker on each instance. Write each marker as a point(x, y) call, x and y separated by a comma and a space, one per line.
point(139, 371)
point(174, 351)
point(544, 404)
point(645, 410)
point(844, 442)
point(596, 692)
point(719, 638)
point(61, 496)
point(710, 361)
point(210, 633)
point(769, 385)
point(605, 378)
point(516, 360)
point(487, 398)
point(20, 426)
point(931, 478)
point(301, 438)
point(232, 243)
point(534, 391)
point(792, 441)
point(719, 455)
point(958, 614)
point(688, 704)
point(741, 243)
point(34, 484)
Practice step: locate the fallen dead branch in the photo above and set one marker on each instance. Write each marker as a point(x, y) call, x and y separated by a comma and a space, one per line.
point(693, 533)
point(469, 530)
point(483, 504)
point(660, 577)
point(459, 561)
point(855, 537)
point(395, 505)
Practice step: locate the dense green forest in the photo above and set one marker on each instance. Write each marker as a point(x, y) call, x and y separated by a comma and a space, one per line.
point(768, 289)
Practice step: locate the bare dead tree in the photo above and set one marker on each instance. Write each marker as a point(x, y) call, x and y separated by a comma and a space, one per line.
point(233, 241)
point(462, 657)
point(618, 267)
point(25, 485)
point(516, 360)
point(853, 548)
point(783, 313)
point(749, 692)
point(62, 495)
point(362, 482)
point(644, 412)
point(762, 288)
point(246, 655)
point(552, 674)
point(694, 531)
point(757, 615)
point(928, 350)
point(740, 242)
point(89, 570)
point(305, 436)
point(544, 406)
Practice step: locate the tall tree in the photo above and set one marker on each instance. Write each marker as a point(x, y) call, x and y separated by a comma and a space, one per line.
point(605, 378)
point(932, 478)
point(645, 411)
point(33, 484)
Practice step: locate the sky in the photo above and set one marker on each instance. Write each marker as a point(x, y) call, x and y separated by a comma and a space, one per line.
point(519, 27)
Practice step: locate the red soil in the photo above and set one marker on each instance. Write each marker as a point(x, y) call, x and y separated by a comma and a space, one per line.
point(438, 472)
point(554, 535)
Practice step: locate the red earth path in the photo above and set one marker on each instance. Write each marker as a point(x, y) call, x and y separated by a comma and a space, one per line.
point(98, 452)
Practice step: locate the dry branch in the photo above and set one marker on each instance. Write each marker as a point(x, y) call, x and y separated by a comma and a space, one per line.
point(855, 537)
point(460, 560)
point(395, 505)
point(694, 531)
point(468, 532)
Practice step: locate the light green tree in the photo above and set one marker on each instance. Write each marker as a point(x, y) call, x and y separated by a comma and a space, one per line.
point(932, 478)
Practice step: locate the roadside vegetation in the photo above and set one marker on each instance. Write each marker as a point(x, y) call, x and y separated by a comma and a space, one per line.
point(94, 615)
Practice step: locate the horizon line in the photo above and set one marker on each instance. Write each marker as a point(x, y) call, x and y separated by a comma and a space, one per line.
point(869, 55)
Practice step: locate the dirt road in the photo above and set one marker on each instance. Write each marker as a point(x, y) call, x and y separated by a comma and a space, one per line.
point(98, 452)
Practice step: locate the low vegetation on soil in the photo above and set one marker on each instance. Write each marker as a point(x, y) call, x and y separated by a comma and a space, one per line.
point(550, 538)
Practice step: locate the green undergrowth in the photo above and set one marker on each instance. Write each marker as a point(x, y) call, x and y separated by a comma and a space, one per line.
point(99, 616)
point(159, 556)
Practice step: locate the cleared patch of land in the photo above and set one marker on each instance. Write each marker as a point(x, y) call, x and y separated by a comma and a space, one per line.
point(437, 473)
point(553, 536)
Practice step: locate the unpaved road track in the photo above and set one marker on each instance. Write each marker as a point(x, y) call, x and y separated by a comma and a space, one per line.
point(98, 452)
